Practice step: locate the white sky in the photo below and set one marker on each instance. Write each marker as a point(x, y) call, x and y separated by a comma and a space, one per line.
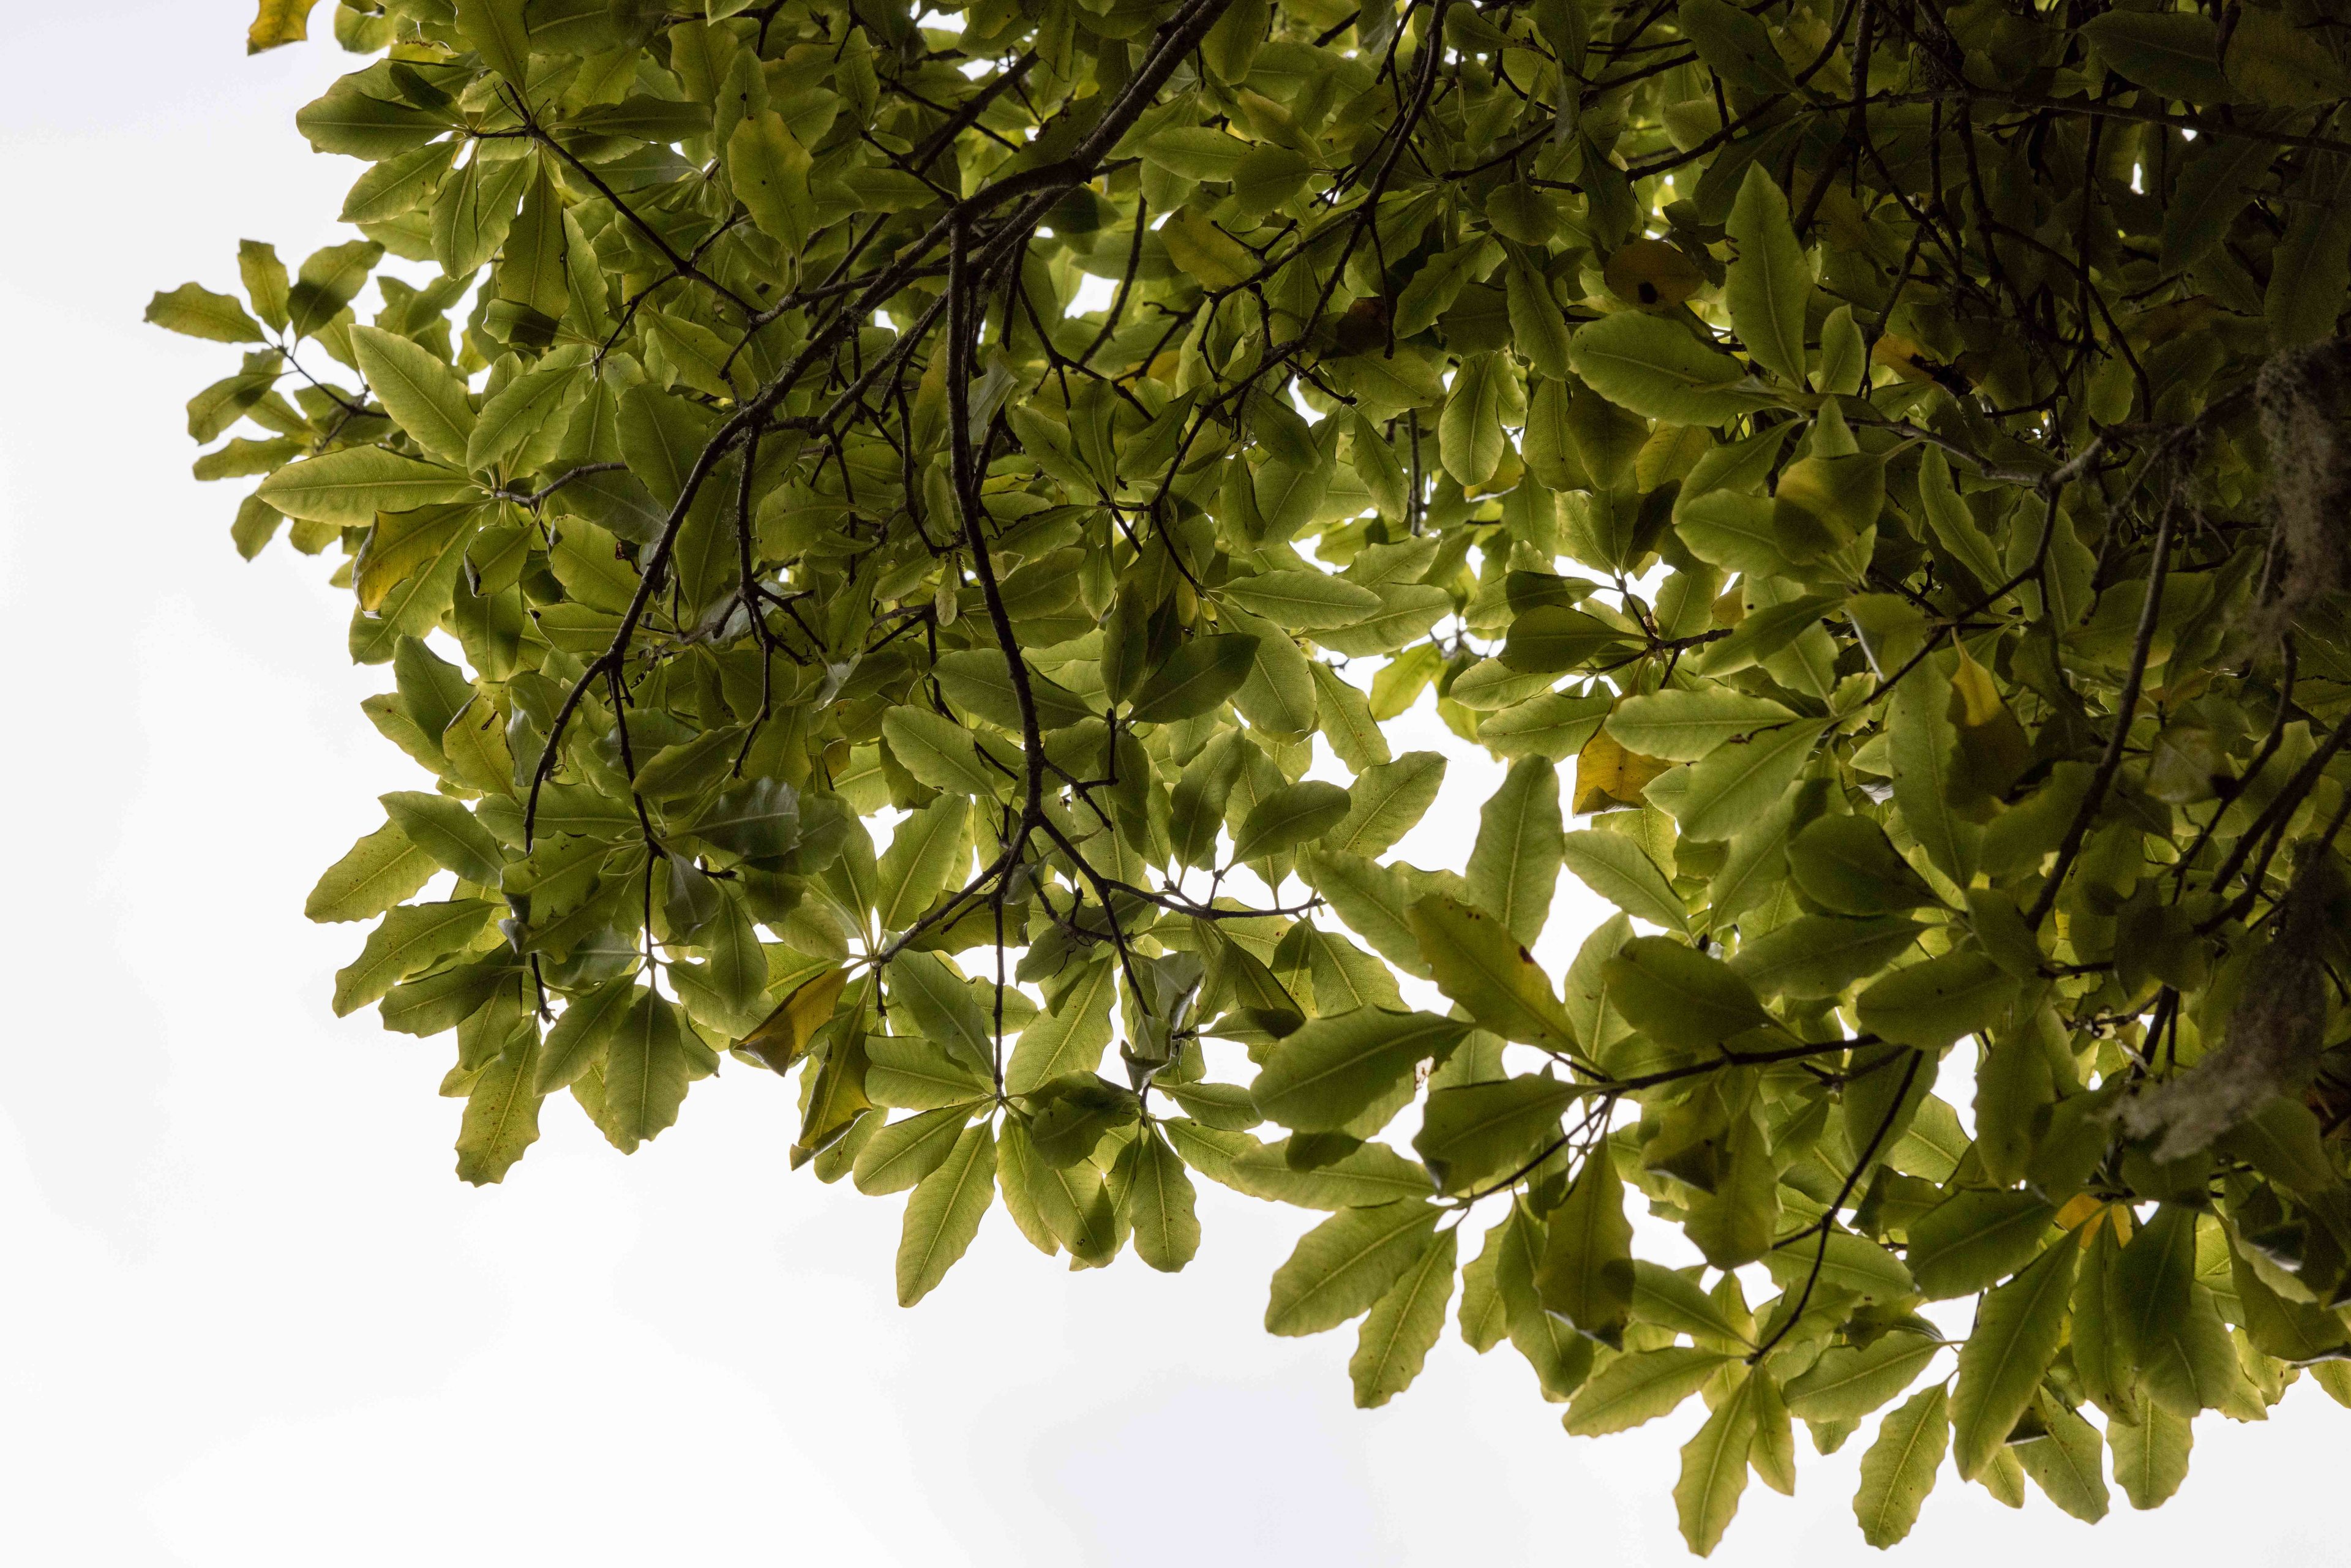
point(251, 1319)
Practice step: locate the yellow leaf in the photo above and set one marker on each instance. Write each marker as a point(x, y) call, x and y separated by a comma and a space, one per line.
point(1975, 701)
point(278, 22)
point(1212, 257)
point(1652, 272)
point(1606, 775)
point(2079, 1208)
point(779, 1040)
point(402, 543)
point(1905, 359)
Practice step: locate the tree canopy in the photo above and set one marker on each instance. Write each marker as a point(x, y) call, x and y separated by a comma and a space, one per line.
point(895, 535)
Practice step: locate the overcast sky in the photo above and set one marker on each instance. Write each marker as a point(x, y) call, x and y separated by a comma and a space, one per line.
point(252, 1320)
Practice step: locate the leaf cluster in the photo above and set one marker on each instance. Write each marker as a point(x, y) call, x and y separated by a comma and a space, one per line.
point(1874, 473)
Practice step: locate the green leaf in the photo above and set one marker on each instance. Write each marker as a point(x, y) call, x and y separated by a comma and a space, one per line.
point(1384, 803)
point(1848, 1262)
point(1672, 1299)
point(662, 437)
point(1714, 1466)
point(348, 120)
point(912, 1072)
point(2151, 1454)
point(498, 30)
point(1196, 152)
point(2176, 53)
point(2100, 1359)
point(2215, 185)
point(1815, 957)
point(1685, 726)
point(1738, 783)
point(2017, 1331)
point(643, 118)
point(329, 279)
point(1586, 1274)
point(198, 312)
point(770, 171)
point(2282, 1141)
point(2160, 1330)
point(645, 1072)
point(1028, 1187)
point(1536, 321)
point(1478, 1131)
point(1735, 532)
point(501, 1112)
point(1652, 366)
point(1394, 1339)
point(1373, 901)
point(1932, 1004)
point(944, 1212)
point(1196, 678)
point(1155, 1193)
point(476, 208)
point(1679, 996)
point(378, 872)
point(902, 1152)
point(518, 425)
point(1617, 868)
point(1470, 437)
point(1768, 280)
point(2274, 59)
point(1300, 601)
point(941, 1008)
point(1971, 1238)
point(411, 938)
point(276, 23)
point(1347, 722)
point(1347, 1263)
point(1480, 965)
point(1515, 862)
point(451, 834)
point(1848, 1381)
point(1845, 358)
point(424, 395)
point(760, 821)
point(348, 488)
point(1920, 739)
point(1954, 526)
point(1332, 1068)
point(1640, 1388)
point(2309, 273)
point(1072, 1035)
point(1364, 1176)
point(1293, 815)
point(412, 549)
point(579, 1037)
point(400, 185)
point(2066, 1464)
point(926, 854)
point(980, 680)
point(2296, 1332)
point(1898, 1471)
point(1734, 45)
point(1553, 725)
point(1846, 865)
point(811, 991)
point(1485, 1315)
point(939, 752)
